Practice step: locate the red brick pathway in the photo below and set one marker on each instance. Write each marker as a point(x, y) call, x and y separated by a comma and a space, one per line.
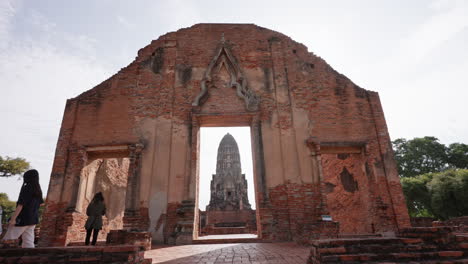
point(250, 253)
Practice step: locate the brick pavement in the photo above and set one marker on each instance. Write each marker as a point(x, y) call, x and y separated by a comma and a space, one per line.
point(248, 253)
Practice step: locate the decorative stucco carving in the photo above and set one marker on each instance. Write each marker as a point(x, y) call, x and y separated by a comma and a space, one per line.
point(237, 80)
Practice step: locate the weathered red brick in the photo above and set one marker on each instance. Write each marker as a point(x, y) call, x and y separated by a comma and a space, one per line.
point(451, 253)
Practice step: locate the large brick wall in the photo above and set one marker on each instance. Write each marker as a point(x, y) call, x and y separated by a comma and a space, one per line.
point(294, 212)
point(302, 114)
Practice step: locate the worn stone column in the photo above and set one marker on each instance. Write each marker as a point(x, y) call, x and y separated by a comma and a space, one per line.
point(134, 218)
point(258, 160)
point(317, 160)
point(324, 229)
point(70, 222)
point(192, 191)
point(263, 214)
point(192, 184)
point(81, 159)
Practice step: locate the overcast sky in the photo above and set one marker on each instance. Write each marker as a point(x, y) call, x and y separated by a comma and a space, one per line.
point(414, 53)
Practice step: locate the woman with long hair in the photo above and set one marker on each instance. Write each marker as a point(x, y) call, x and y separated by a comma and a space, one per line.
point(26, 216)
point(96, 209)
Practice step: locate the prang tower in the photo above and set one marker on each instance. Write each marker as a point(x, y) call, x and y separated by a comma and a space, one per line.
point(228, 186)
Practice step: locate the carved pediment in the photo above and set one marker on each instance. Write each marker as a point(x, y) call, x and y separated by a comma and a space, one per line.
point(229, 73)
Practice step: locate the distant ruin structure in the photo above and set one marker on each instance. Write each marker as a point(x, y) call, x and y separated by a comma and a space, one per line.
point(229, 210)
point(228, 186)
point(322, 159)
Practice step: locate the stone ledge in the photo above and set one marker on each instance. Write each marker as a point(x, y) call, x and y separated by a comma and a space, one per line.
point(123, 237)
point(122, 254)
point(419, 244)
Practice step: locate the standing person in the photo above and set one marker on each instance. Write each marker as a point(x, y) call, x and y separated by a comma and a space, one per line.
point(26, 216)
point(96, 209)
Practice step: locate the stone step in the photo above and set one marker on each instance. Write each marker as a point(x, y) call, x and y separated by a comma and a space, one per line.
point(389, 250)
point(463, 245)
point(445, 261)
point(427, 232)
point(82, 243)
point(383, 245)
point(378, 248)
point(359, 235)
point(228, 241)
point(369, 244)
point(188, 202)
point(394, 257)
point(354, 241)
point(421, 245)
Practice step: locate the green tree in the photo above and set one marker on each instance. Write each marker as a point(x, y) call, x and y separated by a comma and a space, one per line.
point(12, 166)
point(7, 205)
point(448, 193)
point(458, 155)
point(418, 198)
point(442, 195)
point(420, 156)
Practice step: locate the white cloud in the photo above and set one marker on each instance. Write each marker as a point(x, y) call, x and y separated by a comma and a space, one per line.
point(176, 14)
point(37, 75)
point(7, 12)
point(124, 22)
point(448, 20)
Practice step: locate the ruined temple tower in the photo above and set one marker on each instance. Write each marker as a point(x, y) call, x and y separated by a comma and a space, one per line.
point(228, 186)
point(229, 210)
point(320, 144)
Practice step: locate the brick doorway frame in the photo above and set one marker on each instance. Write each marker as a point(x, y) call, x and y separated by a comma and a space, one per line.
point(230, 120)
point(91, 153)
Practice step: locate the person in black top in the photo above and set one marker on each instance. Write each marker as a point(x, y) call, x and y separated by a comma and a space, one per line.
point(96, 209)
point(26, 215)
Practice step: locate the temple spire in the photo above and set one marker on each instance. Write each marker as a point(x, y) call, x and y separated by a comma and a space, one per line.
point(228, 186)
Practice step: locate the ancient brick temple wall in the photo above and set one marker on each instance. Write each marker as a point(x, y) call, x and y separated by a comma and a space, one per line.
point(302, 114)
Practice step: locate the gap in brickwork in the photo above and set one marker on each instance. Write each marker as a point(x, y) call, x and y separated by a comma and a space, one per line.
point(210, 139)
point(109, 176)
